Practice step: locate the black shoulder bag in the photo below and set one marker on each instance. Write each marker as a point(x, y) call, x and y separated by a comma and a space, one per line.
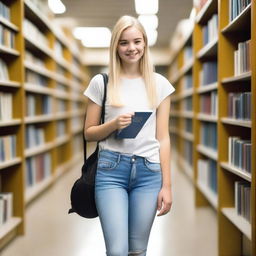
point(82, 192)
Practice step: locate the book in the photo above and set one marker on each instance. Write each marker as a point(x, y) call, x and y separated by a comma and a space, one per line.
point(131, 131)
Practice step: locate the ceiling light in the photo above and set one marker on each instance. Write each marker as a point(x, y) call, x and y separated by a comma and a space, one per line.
point(149, 21)
point(146, 6)
point(152, 36)
point(56, 6)
point(93, 36)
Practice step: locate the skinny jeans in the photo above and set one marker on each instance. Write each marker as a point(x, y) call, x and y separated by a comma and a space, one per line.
point(126, 191)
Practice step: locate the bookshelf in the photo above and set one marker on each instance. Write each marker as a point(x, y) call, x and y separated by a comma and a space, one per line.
point(223, 116)
point(41, 108)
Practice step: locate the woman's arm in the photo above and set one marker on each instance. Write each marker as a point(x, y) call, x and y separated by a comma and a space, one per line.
point(162, 134)
point(94, 131)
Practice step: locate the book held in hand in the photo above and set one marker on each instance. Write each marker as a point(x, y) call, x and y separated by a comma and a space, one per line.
point(131, 131)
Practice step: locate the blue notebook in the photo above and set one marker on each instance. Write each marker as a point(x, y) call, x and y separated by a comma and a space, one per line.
point(131, 131)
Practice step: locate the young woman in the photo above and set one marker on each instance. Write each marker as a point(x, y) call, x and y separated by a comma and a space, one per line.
point(133, 178)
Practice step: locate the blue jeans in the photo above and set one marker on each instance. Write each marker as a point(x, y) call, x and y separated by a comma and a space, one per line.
point(126, 191)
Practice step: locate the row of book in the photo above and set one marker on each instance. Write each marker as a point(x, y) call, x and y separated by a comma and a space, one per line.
point(187, 104)
point(5, 11)
point(4, 74)
point(208, 135)
point(36, 79)
point(209, 73)
point(32, 31)
point(38, 104)
point(6, 207)
point(188, 125)
point(6, 106)
point(35, 136)
point(188, 152)
point(7, 147)
point(239, 105)
point(242, 57)
point(31, 58)
point(236, 7)
point(7, 37)
point(209, 103)
point(61, 128)
point(58, 49)
point(187, 82)
point(62, 106)
point(207, 174)
point(243, 199)
point(188, 54)
point(239, 153)
point(210, 30)
point(37, 168)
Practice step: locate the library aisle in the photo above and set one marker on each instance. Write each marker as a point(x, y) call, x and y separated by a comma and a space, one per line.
point(186, 231)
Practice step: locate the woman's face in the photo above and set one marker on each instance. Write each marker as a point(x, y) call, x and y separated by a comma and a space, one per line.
point(131, 45)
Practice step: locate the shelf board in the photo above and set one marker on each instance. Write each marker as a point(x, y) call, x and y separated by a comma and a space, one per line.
point(9, 226)
point(32, 192)
point(38, 89)
point(241, 223)
point(11, 122)
point(175, 113)
point(61, 79)
point(31, 44)
point(207, 88)
point(38, 149)
point(39, 118)
point(9, 83)
point(209, 194)
point(240, 22)
point(61, 94)
point(240, 78)
point(237, 171)
point(11, 162)
point(188, 66)
point(174, 130)
point(38, 69)
point(186, 114)
point(207, 152)
point(61, 140)
point(208, 9)
point(76, 130)
point(62, 115)
point(187, 135)
point(8, 24)
point(9, 51)
point(61, 62)
point(186, 93)
point(77, 112)
point(236, 122)
point(206, 117)
point(209, 50)
point(77, 97)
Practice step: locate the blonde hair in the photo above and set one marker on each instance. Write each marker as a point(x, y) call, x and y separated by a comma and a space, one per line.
point(146, 66)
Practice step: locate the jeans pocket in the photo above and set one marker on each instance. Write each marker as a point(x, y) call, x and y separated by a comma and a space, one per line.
point(153, 167)
point(107, 163)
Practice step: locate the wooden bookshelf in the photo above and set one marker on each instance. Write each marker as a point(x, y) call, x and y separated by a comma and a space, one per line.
point(44, 86)
point(236, 232)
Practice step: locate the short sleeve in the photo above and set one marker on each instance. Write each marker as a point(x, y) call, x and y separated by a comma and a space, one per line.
point(164, 88)
point(95, 89)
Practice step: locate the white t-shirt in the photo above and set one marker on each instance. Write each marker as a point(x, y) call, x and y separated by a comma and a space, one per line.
point(134, 98)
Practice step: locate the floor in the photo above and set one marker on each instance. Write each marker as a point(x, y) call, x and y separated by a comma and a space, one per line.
point(50, 231)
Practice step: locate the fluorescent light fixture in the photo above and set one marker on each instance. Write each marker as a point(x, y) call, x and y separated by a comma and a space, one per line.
point(152, 36)
point(146, 6)
point(93, 36)
point(149, 21)
point(56, 6)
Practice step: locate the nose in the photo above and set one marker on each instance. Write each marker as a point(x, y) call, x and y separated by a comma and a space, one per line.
point(131, 47)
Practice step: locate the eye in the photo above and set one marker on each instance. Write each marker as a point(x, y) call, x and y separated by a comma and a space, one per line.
point(138, 42)
point(122, 43)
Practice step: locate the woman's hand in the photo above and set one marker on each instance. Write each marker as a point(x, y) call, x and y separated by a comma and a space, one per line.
point(164, 201)
point(124, 120)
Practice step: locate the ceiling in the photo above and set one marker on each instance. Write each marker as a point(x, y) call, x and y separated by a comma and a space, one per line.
point(106, 12)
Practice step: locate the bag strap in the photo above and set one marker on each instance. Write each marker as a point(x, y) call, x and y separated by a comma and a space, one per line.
point(105, 79)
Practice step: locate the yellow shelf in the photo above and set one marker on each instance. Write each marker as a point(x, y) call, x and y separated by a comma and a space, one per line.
point(207, 152)
point(39, 149)
point(207, 88)
point(9, 163)
point(236, 122)
point(12, 122)
point(208, 50)
point(39, 118)
point(8, 24)
point(208, 9)
point(206, 117)
point(8, 51)
point(243, 77)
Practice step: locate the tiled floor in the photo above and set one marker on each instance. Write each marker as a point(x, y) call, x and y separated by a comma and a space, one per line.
point(50, 231)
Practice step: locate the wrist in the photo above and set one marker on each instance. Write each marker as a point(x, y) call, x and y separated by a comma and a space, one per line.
point(166, 185)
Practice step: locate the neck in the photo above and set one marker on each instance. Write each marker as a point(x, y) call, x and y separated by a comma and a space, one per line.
point(131, 70)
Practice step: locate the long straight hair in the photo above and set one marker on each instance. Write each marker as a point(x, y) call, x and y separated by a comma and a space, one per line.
point(115, 67)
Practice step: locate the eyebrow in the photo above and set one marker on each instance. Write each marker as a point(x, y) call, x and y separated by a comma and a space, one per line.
point(139, 38)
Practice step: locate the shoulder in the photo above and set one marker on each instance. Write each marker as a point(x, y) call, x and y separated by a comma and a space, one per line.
point(161, 79)
point(97, 80)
